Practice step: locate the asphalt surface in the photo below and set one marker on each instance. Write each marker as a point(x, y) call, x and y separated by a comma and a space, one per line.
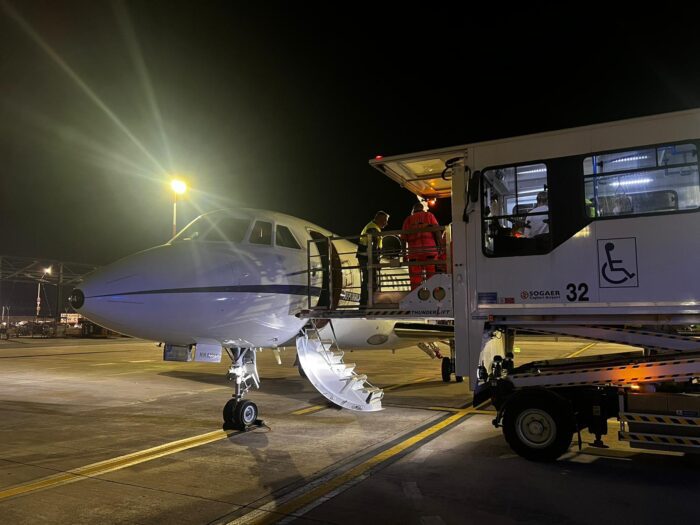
point(104, 431)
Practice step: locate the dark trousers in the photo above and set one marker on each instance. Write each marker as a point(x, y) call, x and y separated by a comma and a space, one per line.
point(364, 279)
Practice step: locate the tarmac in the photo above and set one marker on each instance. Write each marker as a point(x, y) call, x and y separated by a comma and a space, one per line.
point(104, 431)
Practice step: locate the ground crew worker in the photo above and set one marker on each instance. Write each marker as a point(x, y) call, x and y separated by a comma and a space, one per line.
point(376, 225)
point(420, 246)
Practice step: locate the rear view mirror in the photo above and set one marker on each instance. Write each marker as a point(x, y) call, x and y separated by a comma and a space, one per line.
point(474, 186)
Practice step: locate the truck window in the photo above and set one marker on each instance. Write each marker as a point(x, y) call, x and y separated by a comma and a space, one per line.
point(515, 211)
point(661, 179)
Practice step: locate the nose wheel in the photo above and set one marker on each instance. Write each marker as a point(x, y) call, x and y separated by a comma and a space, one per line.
point(240, 414)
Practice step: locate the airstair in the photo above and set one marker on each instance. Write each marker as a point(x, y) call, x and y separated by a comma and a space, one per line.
point(322, 361)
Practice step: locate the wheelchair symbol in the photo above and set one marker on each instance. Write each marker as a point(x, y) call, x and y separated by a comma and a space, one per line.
point(610, 268)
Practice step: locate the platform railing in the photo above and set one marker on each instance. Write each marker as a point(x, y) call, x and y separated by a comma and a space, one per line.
point(389, 268)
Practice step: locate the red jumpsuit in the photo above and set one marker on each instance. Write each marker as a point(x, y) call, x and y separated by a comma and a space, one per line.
point(420, 246)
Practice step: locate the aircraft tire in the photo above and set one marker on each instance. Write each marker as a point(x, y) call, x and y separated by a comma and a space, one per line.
point(229, 409)
point(459, 379)
point(245, 414)
point(538, 427)
point(446, 369)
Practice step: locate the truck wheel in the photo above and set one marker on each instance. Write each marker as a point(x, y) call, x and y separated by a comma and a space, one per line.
point(446, 369)
point(538, 427)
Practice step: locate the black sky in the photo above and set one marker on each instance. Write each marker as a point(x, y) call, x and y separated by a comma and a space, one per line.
point(281, 107)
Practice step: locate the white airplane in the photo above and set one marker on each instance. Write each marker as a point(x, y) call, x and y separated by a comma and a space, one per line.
point(234, 280)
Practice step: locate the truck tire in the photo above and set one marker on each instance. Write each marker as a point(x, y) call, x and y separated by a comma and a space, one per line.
point(538, 426)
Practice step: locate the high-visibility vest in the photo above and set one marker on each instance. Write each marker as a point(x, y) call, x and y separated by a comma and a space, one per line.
point(371, 225)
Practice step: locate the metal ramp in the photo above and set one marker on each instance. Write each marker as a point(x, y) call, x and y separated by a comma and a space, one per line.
point(336, 380)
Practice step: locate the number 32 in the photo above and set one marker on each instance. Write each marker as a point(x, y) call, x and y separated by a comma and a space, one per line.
point(582, 290)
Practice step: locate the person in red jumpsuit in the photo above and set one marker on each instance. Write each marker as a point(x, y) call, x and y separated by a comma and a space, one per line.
point(420, 245)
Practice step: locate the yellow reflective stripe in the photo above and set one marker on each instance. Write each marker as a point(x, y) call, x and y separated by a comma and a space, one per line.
point(363, 236)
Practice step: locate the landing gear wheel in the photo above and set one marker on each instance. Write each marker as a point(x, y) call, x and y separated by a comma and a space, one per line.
point(537, 427)
point(459, 379)
point(239, 414)
point(446, 369)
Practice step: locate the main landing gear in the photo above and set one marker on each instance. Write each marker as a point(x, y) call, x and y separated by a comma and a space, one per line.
point(240, 414)
point(448, 365)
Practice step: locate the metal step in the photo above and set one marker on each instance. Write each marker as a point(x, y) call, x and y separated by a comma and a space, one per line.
point(661, 441)
point(334, 379)
point(335, 357)
point(343, 369)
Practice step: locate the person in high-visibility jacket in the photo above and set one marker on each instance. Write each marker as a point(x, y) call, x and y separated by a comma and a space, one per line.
point(381, 218)
point(421, 246)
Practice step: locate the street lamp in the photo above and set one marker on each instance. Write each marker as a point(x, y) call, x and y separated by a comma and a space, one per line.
point(178, 187)
point(38, 291)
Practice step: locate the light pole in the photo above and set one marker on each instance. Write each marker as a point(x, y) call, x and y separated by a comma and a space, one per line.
point(178, 187)
point(38, 291)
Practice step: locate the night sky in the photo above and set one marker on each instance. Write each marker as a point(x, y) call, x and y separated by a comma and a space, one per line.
point(282, 107)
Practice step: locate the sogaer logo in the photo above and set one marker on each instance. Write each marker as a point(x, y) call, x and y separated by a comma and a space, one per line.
point(540, 295)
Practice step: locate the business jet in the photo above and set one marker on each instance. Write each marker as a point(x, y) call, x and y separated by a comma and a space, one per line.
point(234, 281)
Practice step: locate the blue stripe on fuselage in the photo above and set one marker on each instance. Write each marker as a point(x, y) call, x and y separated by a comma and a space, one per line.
point(288, 289)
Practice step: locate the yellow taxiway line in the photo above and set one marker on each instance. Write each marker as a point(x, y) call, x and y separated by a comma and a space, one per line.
point(110, 465)
point(309, 410)
point(580, 351)
point(280, 509)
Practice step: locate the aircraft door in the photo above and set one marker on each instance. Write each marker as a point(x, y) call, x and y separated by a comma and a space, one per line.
point(331, 271)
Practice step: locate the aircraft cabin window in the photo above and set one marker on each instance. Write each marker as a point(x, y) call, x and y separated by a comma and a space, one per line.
point(262, 233)
point(515, 211)
point(658, 179)
point(284, 238)
point(228, 229)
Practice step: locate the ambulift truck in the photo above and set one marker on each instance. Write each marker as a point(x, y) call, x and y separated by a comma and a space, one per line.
point(591, 232)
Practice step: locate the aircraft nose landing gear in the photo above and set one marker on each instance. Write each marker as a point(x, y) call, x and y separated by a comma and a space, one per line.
point(240, 414)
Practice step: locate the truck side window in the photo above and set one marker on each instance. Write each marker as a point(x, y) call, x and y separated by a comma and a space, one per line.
point(645, 180)
point(515, 211)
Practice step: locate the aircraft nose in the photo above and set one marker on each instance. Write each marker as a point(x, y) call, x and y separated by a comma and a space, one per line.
point(77, 299)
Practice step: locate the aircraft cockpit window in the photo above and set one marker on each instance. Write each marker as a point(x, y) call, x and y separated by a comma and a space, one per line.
point(228, 229)
point(646, 180)
point(196, 230)
point(262, 233)
point(284, 238)
point(515, 211)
